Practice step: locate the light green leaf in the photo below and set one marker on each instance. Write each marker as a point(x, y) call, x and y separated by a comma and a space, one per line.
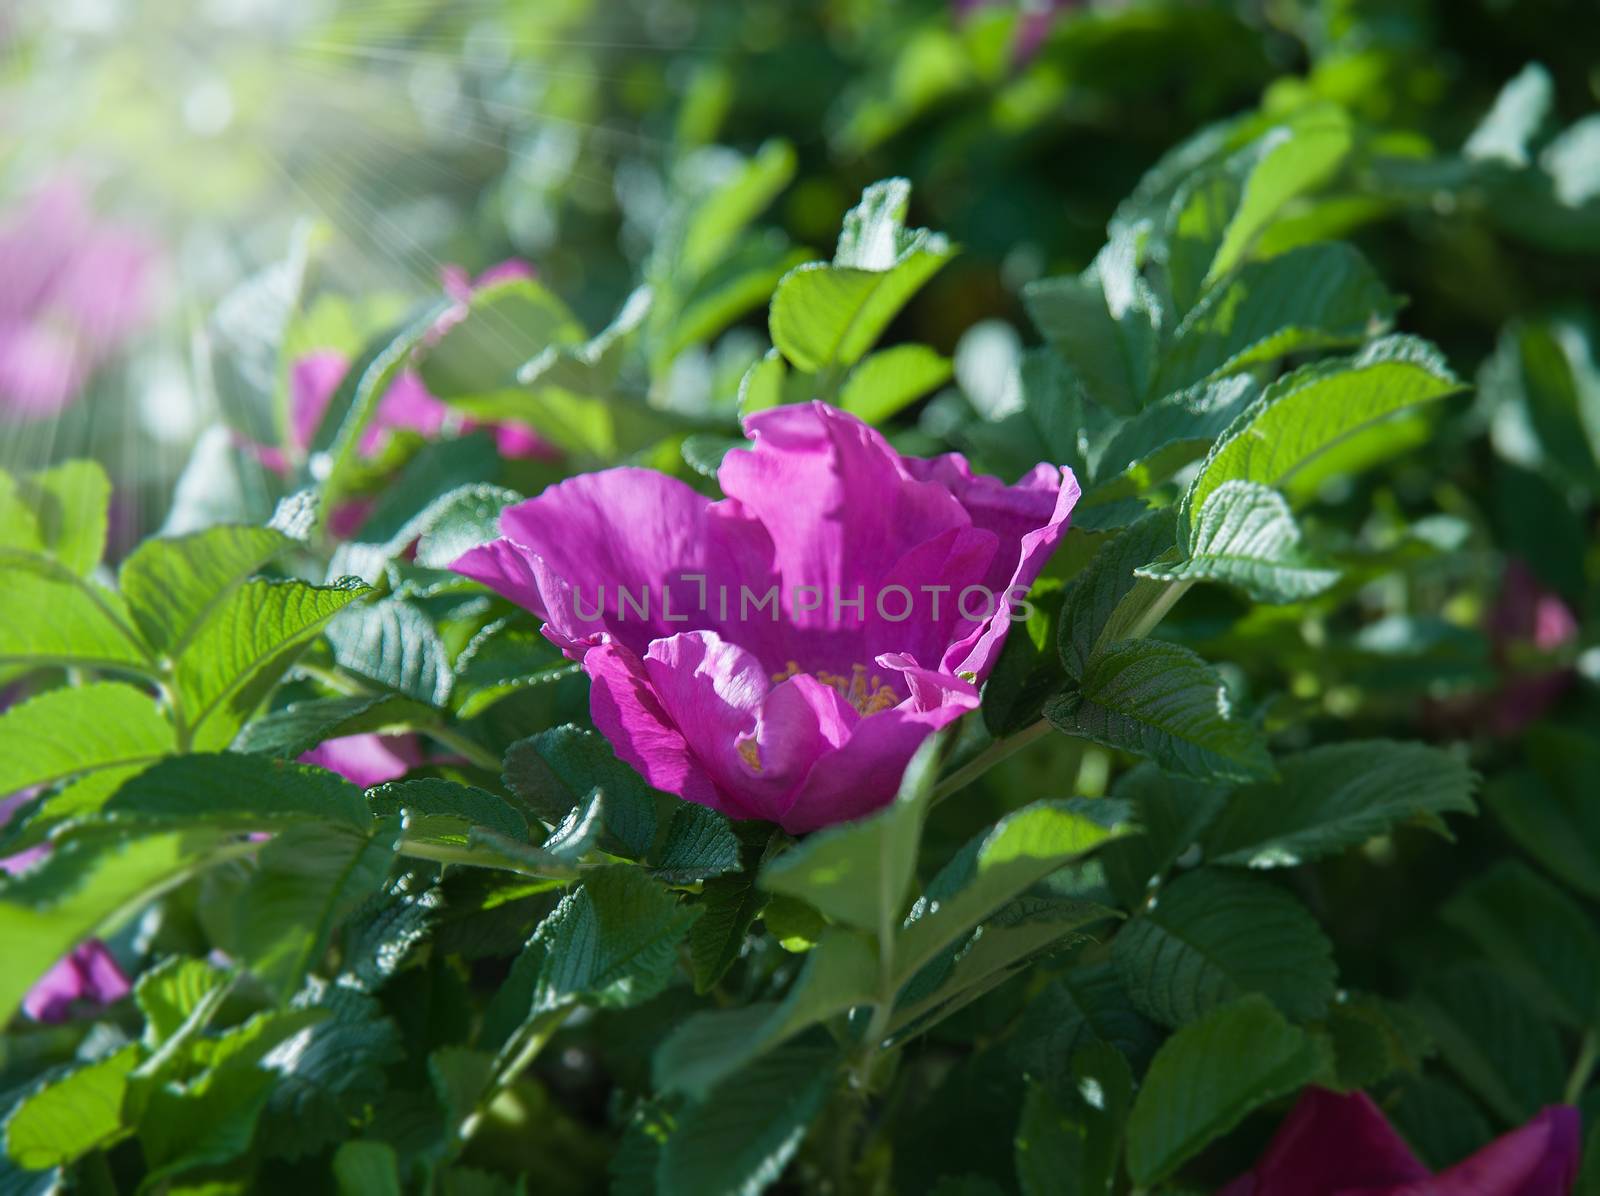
point(437, 803)
point(1020, 850)
point(1161, 701)
point(363, 1167)
point(827, 315)
point(719, 219)
point(860, 873)
point(301, 726)
point(1311, 410)
point(49, 616)
point(172, 586)
point(69, 507)
point(1334, 797)
point(82, 890)
point(888, 381)
point(245, 646)
point(1285, 163)
point(503, 659)
point(1212, 936)
point(1246, 537)
point(169, 993)
point(1168, 434)
point(1187, 1101)
point(506, 325)
point(64, 732)
point(1314, 297)
point(66, 1119)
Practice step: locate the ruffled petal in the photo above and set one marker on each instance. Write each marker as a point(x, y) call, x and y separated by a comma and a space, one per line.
point(1538, 1159)
point(840, 507)
point(626, 552)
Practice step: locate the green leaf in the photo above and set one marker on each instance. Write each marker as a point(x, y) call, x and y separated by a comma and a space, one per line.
point(502, 660)
point(890, 380)
point(71, 1116)
point(1161, 701)
point(1029, 669)
point(840, 973)
point(1187, 1100)
point(1098, 609)
point(1314, 297)
point(556, 770)
point(1110, 348)
point(84, 889)
point(1169, 816)
point(238, 792)
point(1071, 1144)
point(1309, 411)
point(49, 616)
point(393, 643)
point(740, 1139)
point(1214, 936)
point(169, 993)
point(173, 586)
point(301, 726)
point(1505, 1051)
point(699, 843)
point(438, 801)
point(1150, 447)
point(69, 505)
point(308, 880)
point(1021, 849)
point(65, 732)
point(1246, 537)
point(731, 904)
point(719, 219)
point(1285, 163)
point(1537, 936)
point(613, 941)
point(860, 873)
point(362, 1167)
point(1373, 1039)
point(1334, 797)
point(1521, 108)
point(506, 325)
point(245, 646)
point(1078, 1008)
point(827, 315)
point(1546, 393)
point(1552, 821)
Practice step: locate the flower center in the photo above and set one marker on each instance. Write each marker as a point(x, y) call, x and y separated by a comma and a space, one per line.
point(864, 691)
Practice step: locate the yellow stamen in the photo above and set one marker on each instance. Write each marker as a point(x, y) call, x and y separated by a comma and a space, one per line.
point(865, 692)
point(747, 749)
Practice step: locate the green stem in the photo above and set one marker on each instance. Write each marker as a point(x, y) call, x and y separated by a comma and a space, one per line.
point(537, 1038)
point(997, 751)
point(474, 752)
point(1583, 1069)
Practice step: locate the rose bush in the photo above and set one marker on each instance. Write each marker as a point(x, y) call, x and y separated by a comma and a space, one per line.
point(1099, 699)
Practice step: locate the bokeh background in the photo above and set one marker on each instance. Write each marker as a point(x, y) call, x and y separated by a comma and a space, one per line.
point(166, 164)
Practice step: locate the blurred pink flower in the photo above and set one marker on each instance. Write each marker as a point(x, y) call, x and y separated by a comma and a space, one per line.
point(367, 760)
point(407, 405)
point(1333, 1145)
point(88, 973)
point(74, 289)
point(1033, 23)
point(1528, 618)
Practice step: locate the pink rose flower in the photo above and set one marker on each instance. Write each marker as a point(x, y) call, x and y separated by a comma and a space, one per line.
point(1332, 1145)
point(890, 585)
